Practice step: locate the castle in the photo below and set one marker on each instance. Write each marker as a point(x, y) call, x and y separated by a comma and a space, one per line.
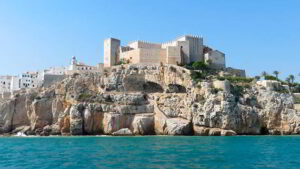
point(183, 50)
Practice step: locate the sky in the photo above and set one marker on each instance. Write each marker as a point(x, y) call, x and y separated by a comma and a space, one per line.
point(256, 35)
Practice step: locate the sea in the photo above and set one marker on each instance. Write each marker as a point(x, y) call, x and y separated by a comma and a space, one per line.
point(241, 152)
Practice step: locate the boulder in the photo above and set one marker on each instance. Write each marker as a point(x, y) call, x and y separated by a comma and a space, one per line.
point(143, 124)
point(55, 130)
point(177, 126)
point(122, 132)
point(214, 132)
point(228, 133)
point(22, 129)
point(201, 131)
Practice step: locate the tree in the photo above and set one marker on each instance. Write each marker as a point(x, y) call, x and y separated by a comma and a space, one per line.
point(276, 73)
point(257, 78)
point(292, 78)
point(288, 80)
point(264, 74)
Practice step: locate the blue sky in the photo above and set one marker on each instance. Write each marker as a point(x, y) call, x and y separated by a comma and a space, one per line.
point(255, 35)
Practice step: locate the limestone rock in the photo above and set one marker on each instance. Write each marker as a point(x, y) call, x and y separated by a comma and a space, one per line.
point(95, 103)
point(22, 129)
point(6, 115)
point(41, 113)
point(143, 124)
point(178, 127)
point(76, 120)
point(201, 131)
point(123, 132)
point(55, 130)
point(93, 119)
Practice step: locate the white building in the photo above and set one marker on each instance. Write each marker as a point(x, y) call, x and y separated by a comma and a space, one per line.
point(9, 84)
point(31, 79)
point(5, 83)
point(56, 70)
point(15, 83)
point(79, 67)
point(44, 78)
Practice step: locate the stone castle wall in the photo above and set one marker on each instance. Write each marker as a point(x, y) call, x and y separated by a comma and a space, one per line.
point(142, 44)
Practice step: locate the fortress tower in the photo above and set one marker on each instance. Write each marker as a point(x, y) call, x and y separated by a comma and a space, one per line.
point(111, 52)
point(195, 47)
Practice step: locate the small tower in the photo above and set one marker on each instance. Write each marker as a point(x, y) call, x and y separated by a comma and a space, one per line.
point(74, 61)
point(73, 64)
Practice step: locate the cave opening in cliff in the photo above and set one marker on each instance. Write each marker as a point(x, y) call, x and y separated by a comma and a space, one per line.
point(176, 88)
point(152, 87)
point(264, 131)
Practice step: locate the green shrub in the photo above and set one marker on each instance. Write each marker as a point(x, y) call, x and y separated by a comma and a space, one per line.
point(200, 66)
point(236, 79)
point(238, 91)
point(221, 78)
point(270, 77)
point(296, 89)
point(247, 86)
point(84, 96)
point(196, 76)
point(280, 89)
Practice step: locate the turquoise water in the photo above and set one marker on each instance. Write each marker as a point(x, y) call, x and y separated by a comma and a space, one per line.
point(151, 152)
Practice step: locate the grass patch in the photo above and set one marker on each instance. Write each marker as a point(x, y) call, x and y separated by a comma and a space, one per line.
point(84, 96)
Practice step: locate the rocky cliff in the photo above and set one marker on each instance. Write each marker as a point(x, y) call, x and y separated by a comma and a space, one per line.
point(148, 100)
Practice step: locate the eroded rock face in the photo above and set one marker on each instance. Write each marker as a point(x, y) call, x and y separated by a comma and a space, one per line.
point(93, 119)
point(41, 113)
point(6, 115)
point(143, 124)
point(149, 99)
point(76, 119)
